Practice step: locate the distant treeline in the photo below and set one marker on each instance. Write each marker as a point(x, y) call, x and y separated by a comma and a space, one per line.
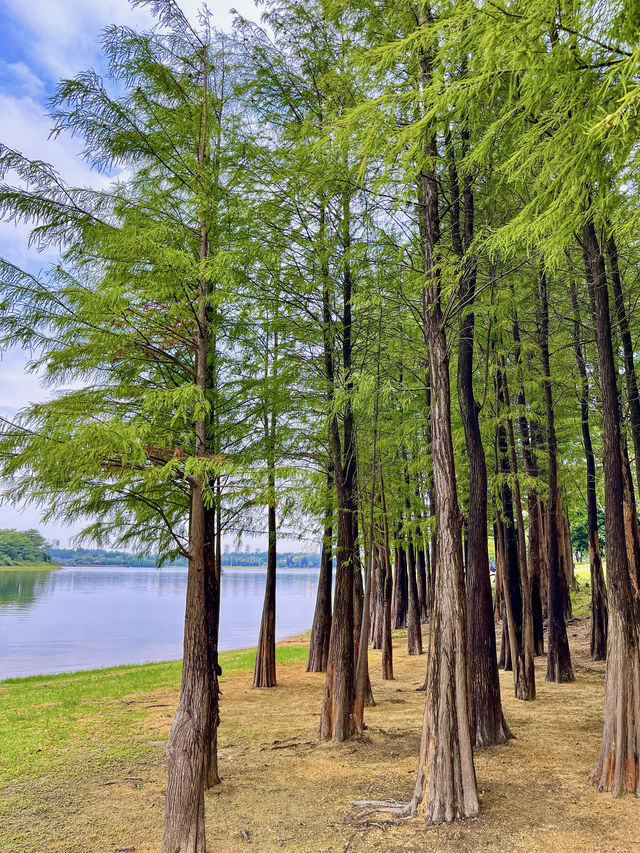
point(100, 557)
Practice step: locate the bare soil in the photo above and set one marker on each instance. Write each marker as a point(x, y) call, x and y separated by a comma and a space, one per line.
point(283, 789)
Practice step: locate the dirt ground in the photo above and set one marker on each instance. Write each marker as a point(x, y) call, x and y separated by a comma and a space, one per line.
point(281, 788)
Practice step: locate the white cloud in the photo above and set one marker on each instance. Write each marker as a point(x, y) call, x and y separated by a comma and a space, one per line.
point(64, 33)
point(20, 79)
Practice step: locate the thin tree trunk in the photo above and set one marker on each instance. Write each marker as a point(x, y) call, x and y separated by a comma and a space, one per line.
point(528, 682)
point(387, 645)
point(400, 588)
point(337, 714)
point(627, 348)
point(599, 606)
point(414, 631)
point(264, 674)
point(321, 628)
point(559, 667)
point(212, 592)
point(421, 576)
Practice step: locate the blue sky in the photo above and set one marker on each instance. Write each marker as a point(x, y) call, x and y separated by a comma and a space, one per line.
point(42, 41)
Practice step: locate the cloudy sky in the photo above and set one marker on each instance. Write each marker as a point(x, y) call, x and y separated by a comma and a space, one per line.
point(43, 41)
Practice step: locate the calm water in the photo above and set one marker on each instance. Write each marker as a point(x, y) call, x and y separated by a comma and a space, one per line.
point(82, 618)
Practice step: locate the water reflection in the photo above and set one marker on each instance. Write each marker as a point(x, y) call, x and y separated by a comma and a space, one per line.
point(88, 617)
point(21, 589)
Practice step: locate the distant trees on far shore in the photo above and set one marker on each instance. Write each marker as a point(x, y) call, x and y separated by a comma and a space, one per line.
point(101, 557)
point(18, 547)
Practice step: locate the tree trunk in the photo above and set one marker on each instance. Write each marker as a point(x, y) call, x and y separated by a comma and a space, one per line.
point(414, 632)
point(513, 593)
point(385, 560)
point(264, 674)
point(446, 749)
point(617, 768)
point(212, 592)
point(487, 719)
point(337, 717)
point(400, 589)
point(184, 827)
point(446, 754)
point(627, 348)
point(377, 601)
point(321, 628)
point(559, 667)
point(421, 575)
point(536, 552)
point(528, 681)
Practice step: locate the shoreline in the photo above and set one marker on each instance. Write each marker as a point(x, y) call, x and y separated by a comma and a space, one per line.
point(235, 656)
point(32, 567)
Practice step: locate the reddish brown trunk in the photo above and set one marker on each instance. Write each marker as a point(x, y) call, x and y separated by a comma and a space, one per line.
point(487, 720)
point(618, 765)
point(377, 601)
point(627, 348)
point(183, 830)
point(446, 749)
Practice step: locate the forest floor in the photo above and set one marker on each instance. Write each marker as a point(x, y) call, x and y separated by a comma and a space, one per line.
point(82, 764)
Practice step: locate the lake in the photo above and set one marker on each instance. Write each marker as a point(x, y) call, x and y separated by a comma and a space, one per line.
point(84, 618)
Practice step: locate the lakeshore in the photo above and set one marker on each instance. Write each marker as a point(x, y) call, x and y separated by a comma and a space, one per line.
point(82, 764)
point(31, 567)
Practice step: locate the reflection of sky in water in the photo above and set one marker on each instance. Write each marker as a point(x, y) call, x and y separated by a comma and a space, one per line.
point(81, 618)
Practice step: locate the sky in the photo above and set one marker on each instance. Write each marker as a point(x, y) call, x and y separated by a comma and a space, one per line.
point(43, 41)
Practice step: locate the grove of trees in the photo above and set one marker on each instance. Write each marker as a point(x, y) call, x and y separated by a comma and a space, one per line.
point(369, 270)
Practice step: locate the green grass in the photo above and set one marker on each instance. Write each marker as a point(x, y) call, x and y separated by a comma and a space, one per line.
point(54, 725)
point(581, 597)
point(25, 567)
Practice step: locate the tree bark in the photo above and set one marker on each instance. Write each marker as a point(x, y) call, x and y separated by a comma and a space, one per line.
point(599, 606)
point(559, 667)
point(414, 631)
point(527, 683)
point(617, 768)
point(212, 592)
point(321, 628)
point(184, 827)
point(264, 674)
point(487, 720)
point(385, 560)
point(400, 588)
point(337, 715)
point(627, 348)
point(446, 749)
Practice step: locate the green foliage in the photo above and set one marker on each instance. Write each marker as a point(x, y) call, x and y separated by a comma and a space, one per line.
point(18, 547)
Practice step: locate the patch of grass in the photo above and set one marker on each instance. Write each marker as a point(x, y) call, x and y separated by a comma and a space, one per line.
point(50, 724)
point(26, 567)
point(581, 597)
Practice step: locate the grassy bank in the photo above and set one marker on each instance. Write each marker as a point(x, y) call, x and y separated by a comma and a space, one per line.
point(55, 723)
point(27, 567)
